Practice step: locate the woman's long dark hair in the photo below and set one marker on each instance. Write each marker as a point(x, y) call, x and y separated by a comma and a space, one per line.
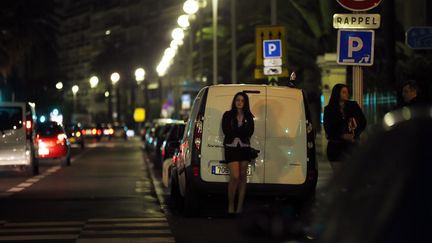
point(246, 107)
point(335, 95)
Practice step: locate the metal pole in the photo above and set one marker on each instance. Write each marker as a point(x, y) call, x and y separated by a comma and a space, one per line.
point(358, 85)
point(233, 43)
point(273, 9)
point(215, 46)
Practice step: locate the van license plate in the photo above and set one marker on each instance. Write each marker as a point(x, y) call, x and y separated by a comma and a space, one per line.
point(224, 170)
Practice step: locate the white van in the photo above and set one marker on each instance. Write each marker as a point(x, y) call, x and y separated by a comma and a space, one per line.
point(286, 165)
point(17, 123)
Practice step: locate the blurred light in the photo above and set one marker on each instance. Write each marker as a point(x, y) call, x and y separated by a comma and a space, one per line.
point(42, 119)
point(191, 6)
point(139, 75)
point(115, 77)
point(130, 133)
point(55, 112)
point(75, 89)
point(59, 85)
point(389, 120)
point(107, 32)
point(177, 34)
point(170, 53)
point(183, 21)
point(94, 81)
point(107, 94)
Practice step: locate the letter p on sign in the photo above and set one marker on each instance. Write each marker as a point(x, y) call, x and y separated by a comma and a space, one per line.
point(355, 44)
point(272, 48)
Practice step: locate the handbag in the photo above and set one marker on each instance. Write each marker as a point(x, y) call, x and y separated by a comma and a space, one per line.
point(253, 153)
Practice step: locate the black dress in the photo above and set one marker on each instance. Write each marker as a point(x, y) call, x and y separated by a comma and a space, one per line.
point(336, 124)
point(237, 137)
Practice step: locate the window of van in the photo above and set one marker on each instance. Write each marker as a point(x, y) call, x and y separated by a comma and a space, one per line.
point(10, 118)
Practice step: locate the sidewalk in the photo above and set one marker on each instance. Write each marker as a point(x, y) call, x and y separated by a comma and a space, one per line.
point(325, 171)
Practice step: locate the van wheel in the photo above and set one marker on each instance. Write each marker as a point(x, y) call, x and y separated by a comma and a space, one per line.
point(190, 202)
point(175, 199)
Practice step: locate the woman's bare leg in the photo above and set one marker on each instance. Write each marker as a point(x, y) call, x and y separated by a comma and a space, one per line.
point(233, 184)
point(242, 185)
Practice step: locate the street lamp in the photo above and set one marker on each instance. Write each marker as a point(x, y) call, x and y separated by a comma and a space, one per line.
point(139, 75)
point(75, 89)
point(59, 85)
point(115, 77)
point(177, 34)
point(94, 82)
point(191, 6)
point(183, 21)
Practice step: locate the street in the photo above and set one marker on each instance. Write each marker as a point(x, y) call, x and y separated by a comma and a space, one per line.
point(108, 194)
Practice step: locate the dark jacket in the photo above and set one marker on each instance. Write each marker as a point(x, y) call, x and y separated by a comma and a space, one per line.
point(231, 130)
point(335, 125)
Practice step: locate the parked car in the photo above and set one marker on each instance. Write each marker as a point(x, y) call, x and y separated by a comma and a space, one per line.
point(75, 136)
point(52, 143)
point(169, 147)
point(17, 136)
point(286, 165)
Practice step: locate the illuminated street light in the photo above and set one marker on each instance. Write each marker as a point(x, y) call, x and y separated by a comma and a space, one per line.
point(75, 89)
point(59, 85)
point(94, 81)
point(183, 21)
point(191, 6)
point(139, 75)
point(107, 94)
point(177, 34)
point(115, 77)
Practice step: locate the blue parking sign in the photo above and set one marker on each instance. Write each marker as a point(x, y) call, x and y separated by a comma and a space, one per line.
point(356, 47)
point(272, 48)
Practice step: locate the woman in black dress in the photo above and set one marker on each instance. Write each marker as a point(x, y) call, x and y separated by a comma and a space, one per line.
point(238, 127)
point(343, 123)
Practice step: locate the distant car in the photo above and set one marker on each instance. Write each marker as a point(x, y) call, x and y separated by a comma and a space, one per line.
point(118, 131)
point(52, 143)
point(92, 131)
point(75, 136)
point(17, 133)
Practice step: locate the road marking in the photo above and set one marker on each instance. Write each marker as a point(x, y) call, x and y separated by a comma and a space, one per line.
point(38, 237)
point(16, 189)
point(33, 180)
point(51, 223)
point(127, 220)
point(126, 225)
point(127, 240)
point(25, 184)
point(39, 230)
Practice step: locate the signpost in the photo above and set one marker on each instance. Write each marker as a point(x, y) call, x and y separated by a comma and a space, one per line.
point(270, 52)
point(355, 47)
point(419, 37)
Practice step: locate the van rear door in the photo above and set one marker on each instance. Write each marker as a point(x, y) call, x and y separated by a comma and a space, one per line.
point(286, 151)
point(218, 101)
point(13, 140)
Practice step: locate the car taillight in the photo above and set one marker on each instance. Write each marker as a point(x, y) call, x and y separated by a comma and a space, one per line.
point(99, 132)
point(61, 138)
point(28, 125)
point(83, 132)
point(198, 132)
point(174, 160)
point(195, 171)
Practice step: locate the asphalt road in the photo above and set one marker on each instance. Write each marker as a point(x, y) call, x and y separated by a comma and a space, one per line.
point(104, 196)
point(111, 193)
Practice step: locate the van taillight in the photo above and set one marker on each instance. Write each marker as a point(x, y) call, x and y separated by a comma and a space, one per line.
point(198, 132)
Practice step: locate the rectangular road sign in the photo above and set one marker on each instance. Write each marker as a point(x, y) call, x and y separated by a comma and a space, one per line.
point(272, 62)
point(356, 21)
point(419, 37)
point(272, 70)
point(355, 47)
point(272, 49)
